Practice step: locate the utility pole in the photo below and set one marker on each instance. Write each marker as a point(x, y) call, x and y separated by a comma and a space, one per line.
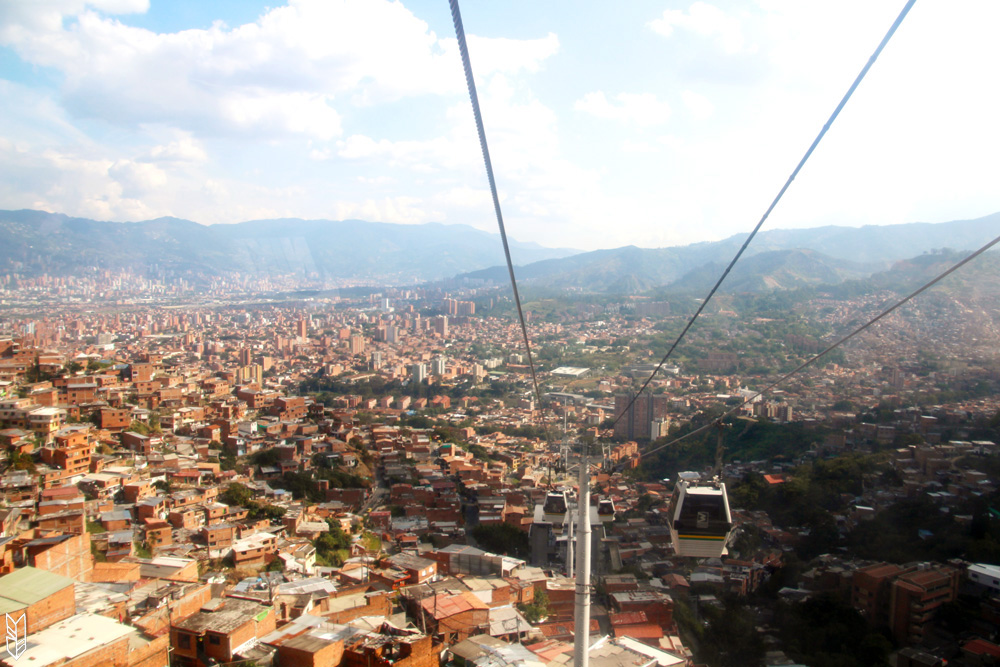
point(581, 647)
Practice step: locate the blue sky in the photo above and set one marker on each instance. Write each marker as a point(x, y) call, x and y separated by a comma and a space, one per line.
point(645, 123)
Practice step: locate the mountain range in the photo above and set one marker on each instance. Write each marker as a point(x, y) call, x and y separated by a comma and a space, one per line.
point(778, 259)
point(34, 242)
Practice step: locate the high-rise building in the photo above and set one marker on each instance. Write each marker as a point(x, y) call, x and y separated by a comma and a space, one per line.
point(392, 334)
point(357, 344)
point(441, 326)
point(251, 373)
point(302, 328)
point(638, 422)
point(418, 372)
point(438, 366)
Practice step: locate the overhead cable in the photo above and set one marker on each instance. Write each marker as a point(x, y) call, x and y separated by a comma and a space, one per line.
point(767, 213)
point(456, 17)
point(829, 349)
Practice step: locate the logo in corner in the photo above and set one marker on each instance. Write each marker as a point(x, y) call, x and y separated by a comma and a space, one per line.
point(17, 637)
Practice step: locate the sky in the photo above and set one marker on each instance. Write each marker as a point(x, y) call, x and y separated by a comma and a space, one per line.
point(645, 123)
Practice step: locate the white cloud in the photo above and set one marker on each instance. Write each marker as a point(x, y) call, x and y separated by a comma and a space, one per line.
point(642, 109)
point(699, 105)
point(630, 146)
point(356, 108)
point(183, 149)
point(137, 179)
point(403, 210)
point(465, 197)
point(48, 16)
point(491, 55)
point(286, 74)
point(704, 20)
point(66, 183)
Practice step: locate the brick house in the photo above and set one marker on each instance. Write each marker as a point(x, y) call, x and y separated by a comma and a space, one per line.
point(418, 569)
point(158, 533)
point(255, 549)
point(223, 628)
point(44, 598)
point(455, 617)
point(219, 535)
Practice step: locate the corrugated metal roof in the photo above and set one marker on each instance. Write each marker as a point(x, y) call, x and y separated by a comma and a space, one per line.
point(29, 585)
point(443, 606)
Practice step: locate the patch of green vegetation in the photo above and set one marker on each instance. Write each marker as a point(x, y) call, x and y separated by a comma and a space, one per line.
point(332, 548)
point(827, 631)
point(240, 495)
point(371, 541)
point(537, 609)
point(894, 534)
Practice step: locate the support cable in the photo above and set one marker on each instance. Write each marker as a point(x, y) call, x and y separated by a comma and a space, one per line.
point(774, 203)
point(829, 349)
point(456, 17)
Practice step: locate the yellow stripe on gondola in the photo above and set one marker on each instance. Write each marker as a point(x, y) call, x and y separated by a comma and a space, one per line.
point(717, 538)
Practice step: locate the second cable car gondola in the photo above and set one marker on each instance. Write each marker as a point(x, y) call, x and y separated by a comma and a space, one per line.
point(606, 510)
point(700, 522)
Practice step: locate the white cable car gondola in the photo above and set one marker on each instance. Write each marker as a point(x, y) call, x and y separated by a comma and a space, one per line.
point(700, 522)
point(606, 510)
point(555, 506)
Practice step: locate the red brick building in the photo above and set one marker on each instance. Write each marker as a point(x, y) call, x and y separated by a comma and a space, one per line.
point(222, 628)
point(455, 617)
point(915, 599)
point(43, 597)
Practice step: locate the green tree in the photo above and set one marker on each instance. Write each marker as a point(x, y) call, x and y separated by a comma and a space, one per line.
point(730, 639)
point(536, 610)
point(828, 632)
point(332, 546)
point(19, 460)
point(237, 494)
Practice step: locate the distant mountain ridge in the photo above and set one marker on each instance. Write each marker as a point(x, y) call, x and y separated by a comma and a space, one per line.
point(776, 259)
point(39, 242)
point(34, 242)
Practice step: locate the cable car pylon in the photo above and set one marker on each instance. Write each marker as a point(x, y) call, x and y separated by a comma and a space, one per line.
point(581, 641)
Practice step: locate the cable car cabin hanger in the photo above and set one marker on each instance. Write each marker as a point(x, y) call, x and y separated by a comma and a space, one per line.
point(700, 524)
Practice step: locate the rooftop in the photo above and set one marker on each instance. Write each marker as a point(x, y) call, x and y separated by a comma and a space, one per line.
point(70, 638)
point(27, 586)
point(225, 616)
